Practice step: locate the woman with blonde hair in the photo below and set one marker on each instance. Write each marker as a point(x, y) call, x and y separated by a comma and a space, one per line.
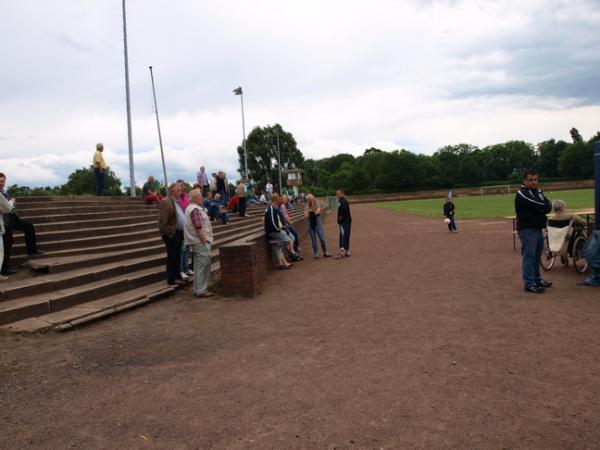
point(312, 211)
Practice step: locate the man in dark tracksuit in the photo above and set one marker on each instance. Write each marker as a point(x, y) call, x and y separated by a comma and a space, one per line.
point(344, 220)
point(531, 207)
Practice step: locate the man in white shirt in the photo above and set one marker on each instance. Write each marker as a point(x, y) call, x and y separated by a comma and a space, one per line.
point(269, 190)
point(197, 231)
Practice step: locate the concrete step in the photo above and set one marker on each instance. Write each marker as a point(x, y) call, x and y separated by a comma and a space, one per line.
point(48, 302)
point(68, 217)
point(92, 241)
point(96, 232)
point(78, 222)
point(93, 310)
point(49, 210)
point(91, 198)
point(11, 290)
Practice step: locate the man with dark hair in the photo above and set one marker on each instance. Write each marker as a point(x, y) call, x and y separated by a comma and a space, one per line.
point(12, 222)
point(344, 220)
point(531, 207)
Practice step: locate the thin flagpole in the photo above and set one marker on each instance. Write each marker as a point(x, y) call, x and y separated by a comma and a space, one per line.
point(162, 154)
point(279, 158)
point(129, 137)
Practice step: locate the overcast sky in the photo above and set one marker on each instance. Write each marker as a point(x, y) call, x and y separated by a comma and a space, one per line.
point(341, 75)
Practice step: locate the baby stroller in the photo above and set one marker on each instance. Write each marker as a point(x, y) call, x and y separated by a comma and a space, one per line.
point(562, 240)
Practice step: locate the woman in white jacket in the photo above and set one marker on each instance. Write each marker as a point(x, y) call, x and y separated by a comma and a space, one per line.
point(5, 208)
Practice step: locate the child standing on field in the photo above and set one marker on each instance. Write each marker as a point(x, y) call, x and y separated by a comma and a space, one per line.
point(449, 210)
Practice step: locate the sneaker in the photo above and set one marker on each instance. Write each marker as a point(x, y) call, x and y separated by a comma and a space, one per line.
point(348, 253)
point(183, 276)
point(535, 289)
point(190, 273)
point(326, 255)
point(544, 284)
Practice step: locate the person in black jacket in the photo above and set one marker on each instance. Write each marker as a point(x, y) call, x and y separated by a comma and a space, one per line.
point(275, 230)
point(344, 220)
point(449, 210)
point(531, 207)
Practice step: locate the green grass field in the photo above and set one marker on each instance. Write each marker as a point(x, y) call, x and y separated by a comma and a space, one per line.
point(487, 206)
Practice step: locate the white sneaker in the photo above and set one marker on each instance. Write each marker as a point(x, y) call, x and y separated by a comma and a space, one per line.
point(190, 273)
point(183, 276)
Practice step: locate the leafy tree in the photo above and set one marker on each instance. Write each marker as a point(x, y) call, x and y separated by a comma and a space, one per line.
point(263, 157)
point(25, 191)
point(549, 155)
point(577, 138)
point(83, 182)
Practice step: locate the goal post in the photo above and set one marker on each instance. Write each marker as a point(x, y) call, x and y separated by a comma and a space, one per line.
point(495, 190)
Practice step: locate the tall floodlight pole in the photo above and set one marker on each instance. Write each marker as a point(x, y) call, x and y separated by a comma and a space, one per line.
point(162, 154)
point(238, 91)
point(129, 138)
point(279, 158)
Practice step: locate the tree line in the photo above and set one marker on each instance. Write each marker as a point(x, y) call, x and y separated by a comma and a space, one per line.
point(451, 166)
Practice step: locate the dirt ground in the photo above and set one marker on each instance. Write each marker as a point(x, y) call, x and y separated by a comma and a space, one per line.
point(422, 339)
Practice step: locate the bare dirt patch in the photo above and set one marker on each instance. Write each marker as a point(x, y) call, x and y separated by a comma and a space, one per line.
point(421, 339)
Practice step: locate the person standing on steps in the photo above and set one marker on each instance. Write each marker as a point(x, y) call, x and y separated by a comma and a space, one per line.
point(198, 234)
point(5, 208)
point(449, 210)
point(531, 207)
point(202, 180)
point(12, 221)
point(99, 169)
point(344, 220)
point(170, 225)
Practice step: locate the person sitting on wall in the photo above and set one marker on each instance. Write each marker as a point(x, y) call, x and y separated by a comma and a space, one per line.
point(283, 202)
point(274, 229)
point(148, 193)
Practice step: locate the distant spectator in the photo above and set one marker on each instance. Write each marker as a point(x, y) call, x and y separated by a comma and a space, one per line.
point(99, 169)
point(221, 188)
point(312, 212)
point(274, 228)
point(183, 202)
point(12, 221)
point(202, 180)
point(233, 204)
point(253, 198)
point(216, 211)
point(269, 190)
point(344, 220)
point(198, 235)
point(170, 225)
point(148, 193)
point(263, 199)
point(449, 210)
point(283, 202)
point(213, 184)
point(240, 192)
point(531, 207)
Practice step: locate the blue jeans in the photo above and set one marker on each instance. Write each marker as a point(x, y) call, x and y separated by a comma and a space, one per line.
point(100, 176)
point(317, 232)
point(345, 235)
point(184, 259)
point(532, 245)
point(452, 224)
